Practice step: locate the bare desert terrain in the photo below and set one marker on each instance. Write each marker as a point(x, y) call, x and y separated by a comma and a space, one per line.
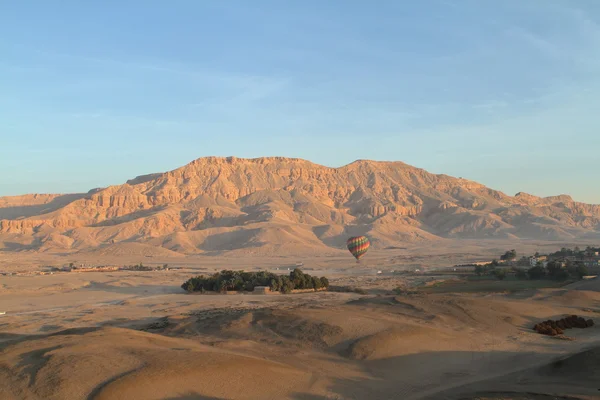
point(138, 335)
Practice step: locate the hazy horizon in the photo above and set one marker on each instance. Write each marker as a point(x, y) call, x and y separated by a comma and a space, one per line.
point(503, 94)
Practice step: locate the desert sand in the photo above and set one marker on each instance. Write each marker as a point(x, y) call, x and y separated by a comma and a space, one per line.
point(137, 335)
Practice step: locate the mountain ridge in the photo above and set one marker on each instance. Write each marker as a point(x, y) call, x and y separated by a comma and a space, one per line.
point(278, 204)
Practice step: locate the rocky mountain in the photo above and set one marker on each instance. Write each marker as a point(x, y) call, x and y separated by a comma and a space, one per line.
point(282, 205)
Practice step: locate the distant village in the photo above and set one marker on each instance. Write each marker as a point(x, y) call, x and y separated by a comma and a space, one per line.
point(565, 258)
point(72, 267)
point(560, 265)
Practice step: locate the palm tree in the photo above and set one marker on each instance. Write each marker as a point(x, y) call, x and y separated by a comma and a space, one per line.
point(223, 286)
point(231, 283)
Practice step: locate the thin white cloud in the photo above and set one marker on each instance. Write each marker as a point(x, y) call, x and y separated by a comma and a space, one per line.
point(491, 105)
point(537, 42)
point(247, 86)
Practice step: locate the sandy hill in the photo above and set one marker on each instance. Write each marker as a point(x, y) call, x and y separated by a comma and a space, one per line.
point(316, 346)
point(281, 205)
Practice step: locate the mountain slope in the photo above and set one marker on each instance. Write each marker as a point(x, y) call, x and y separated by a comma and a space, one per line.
point(284, 205)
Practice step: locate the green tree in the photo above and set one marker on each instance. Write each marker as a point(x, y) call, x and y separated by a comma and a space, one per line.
point(500, 274)
point(316, 282)
point(274, 285)
point(298, 279)
point(536, 273)
point(286, 285)
point(554, 268)
point(479, 270)
point(223, 286)
point(509, 255)
point(561, 275)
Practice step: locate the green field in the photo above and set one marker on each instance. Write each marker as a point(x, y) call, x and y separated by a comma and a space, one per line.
point(487, 285)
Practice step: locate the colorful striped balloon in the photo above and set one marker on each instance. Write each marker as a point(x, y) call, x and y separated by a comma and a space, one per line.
point(358, 246)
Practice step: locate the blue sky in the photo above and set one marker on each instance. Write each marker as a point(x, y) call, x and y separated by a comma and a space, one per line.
point(506, 93)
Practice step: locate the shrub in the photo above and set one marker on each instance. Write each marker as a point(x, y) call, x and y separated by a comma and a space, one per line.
point(558, 327)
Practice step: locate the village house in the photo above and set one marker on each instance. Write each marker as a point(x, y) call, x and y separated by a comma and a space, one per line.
point(591, 262)
point(533, 260)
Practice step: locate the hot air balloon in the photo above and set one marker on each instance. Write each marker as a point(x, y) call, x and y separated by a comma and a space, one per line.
point(358, 246)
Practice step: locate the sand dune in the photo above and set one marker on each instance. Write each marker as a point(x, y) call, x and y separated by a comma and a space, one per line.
point(137, 336)
point(114, 363)
point(567, 377)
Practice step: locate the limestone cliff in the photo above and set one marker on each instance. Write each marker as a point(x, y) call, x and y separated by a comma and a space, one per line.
point(217, 204)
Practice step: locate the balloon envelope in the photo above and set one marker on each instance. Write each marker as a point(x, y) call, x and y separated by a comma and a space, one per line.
point(358, 246)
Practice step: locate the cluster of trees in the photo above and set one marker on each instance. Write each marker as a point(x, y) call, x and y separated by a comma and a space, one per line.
point(246, 281)
point(576, 252)
point(138, 267)
point(509, 255)
point(142, 267)
point(554, 270)
point(487, 269)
